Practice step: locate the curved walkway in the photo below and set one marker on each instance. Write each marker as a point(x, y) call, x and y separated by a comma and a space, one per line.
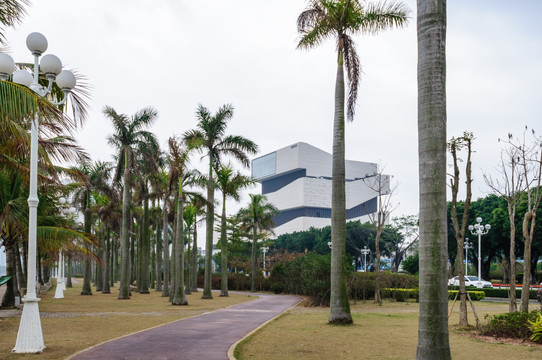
point(207, 336)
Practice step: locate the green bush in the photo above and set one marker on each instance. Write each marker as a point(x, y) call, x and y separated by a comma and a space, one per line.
point(401, 295)
point(512, 325)
point(503, 293)
point(536, 329)
point(361, 285)
point(474, 295)
point(305, 275)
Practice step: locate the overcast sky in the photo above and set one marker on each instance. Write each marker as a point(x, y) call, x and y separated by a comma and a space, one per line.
point(175, 54)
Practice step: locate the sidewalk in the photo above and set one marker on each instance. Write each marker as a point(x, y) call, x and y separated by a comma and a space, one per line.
point(207, 336)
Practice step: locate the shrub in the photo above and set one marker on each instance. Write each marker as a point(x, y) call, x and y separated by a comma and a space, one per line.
point(474, 295)
point(512, 325)
point(305, 275)
point(536, 329)
point(361, 285)
point(503, 293)
point(401, 295)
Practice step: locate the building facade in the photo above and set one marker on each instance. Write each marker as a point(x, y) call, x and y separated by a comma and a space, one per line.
point(297, 180)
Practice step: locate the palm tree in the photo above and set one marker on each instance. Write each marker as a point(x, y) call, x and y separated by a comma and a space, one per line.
point(210, 137)
point(433, 338)
point(229, 183)
point(340, 19)
point(11, 13)
point(258, 219)
point(129, 138)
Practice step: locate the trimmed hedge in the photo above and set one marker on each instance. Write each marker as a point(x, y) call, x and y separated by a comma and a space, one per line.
point(401, 295)
point(361, 285)
point(474, 295)
point(498, 293)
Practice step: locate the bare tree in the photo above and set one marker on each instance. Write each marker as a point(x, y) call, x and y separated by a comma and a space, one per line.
point(380, 183)
point(407, 229)
point(509, 186)
point(454, 146)
point(530, 163)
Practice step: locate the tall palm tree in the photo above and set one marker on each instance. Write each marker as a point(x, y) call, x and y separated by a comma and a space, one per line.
point(340, 19)
point(11, 13)
point(229, 183)
point(210, 137)
point(258, 219)
point(433, 337)
point(128, 138)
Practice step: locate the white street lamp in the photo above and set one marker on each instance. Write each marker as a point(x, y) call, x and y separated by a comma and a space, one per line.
point(264, 250)
point(30, 336)
point(467, 245)
point(329, 244)
point(365, 251)
point(479, 229)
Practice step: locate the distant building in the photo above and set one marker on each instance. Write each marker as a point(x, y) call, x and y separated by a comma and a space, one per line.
point(297, 180)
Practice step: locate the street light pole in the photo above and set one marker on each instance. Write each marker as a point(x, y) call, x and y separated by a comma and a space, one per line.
point(468, 245)
point(365, 251)
point(479, 229)
point(30, 337)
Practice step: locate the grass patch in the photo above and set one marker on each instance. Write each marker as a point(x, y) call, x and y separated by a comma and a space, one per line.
point(78, 322)
point(379, 332)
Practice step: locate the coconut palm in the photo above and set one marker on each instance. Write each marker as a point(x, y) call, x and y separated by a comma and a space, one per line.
point(11, 13)
point(433, 338)
point(258, 219)
point(129, 138)
point(229, 183)
point(340, 19)
point(181, 178)
point(210, 137)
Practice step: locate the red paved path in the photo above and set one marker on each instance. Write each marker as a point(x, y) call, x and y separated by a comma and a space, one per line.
point(203, 337)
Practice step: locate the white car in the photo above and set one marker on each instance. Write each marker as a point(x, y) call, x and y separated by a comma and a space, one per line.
point(470, 281)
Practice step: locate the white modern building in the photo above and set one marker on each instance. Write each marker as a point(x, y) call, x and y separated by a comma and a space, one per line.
point(297, 180)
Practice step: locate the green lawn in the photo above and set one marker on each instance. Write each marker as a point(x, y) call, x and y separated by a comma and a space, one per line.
point(378, 332)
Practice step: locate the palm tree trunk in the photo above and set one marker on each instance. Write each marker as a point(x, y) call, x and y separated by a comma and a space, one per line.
point(433, 337)
point(145, 248)
point(195, 257)
point(159, 252)
point(69, 272)
point(253, 259)
point(12, 288)
point(165, 288)
point(124, 287)
point(188, 287)
point(339, 309)
point(179, 298)
point(210, 219)
point(107, 268)
point(224, 252)
point(87, 290)
point(21, 278)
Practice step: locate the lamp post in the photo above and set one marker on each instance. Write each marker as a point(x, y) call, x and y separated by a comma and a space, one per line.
point(30, 337)
point(479, 229)
point(467, 245)
point(264, 250)
point(365, 251)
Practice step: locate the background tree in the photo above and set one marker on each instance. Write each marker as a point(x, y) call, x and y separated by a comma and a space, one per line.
point(530, 160)
point(128, 138)
point(460, 227)
point(340, 19)
point(380, 184)
point(433, 336)
point(257, 219)
point(210, 137)
point(509, 186)
point(229, 183)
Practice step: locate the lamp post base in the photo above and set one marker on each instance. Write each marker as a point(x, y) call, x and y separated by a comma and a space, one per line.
point(30, 337)
point(59, 292)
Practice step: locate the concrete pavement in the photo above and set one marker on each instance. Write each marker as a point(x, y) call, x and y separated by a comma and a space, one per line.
point(207, 336)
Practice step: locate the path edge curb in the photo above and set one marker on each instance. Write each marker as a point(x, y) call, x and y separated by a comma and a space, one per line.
point(231, 350)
